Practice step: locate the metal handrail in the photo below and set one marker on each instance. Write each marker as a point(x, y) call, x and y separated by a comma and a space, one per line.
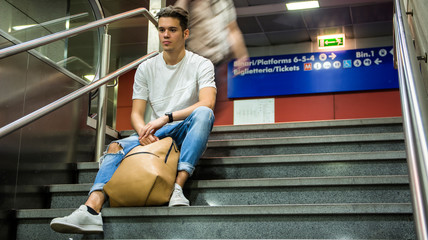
point(415, 114)
point(72, 32)
point(70, 97)
point(54, 21)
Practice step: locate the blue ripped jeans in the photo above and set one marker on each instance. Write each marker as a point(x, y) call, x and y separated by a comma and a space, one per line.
point(191, 136)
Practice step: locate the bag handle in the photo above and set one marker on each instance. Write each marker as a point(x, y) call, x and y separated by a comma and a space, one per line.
point(132, 154)
point(169, 150)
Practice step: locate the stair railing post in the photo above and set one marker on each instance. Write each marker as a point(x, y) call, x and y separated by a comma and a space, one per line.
point(415, 116)
point(102, 97)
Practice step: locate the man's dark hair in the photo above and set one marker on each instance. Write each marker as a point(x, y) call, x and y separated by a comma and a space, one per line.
point(175, 12)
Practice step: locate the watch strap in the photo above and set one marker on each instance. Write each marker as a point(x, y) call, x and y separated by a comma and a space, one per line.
point(170, 118)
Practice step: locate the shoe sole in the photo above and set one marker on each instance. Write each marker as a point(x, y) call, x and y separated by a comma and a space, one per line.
point(178, 204)
point(71, 228)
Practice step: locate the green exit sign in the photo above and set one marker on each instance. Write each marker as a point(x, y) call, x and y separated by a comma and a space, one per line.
point(331, 41)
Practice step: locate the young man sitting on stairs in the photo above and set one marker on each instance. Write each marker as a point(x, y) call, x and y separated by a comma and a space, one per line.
point(180, 87)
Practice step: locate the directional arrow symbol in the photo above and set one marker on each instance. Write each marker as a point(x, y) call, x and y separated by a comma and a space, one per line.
point(392, 51)
point(377, 61)
point(332, 56)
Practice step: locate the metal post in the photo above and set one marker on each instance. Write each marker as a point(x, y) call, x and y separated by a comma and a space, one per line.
point(102, 98)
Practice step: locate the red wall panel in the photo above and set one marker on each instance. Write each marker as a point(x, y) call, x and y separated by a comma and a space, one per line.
point(370, 104)
point(124, 101)
point(304, 108)
point(223, 113)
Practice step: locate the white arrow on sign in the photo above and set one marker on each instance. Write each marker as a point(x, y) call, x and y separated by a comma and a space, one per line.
point(377, 61)
point(332, 56)
point(392, 51)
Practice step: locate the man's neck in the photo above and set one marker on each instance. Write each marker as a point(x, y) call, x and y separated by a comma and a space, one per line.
point(172, 58)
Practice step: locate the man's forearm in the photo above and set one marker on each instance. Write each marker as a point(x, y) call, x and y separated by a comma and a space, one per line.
point(207, 98)
point(137, 122)
point(184, 113)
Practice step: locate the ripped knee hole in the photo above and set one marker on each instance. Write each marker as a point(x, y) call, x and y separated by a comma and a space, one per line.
point(114, 148)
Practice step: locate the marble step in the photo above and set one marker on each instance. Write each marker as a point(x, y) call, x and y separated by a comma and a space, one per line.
point(310, 128)
point(346, 189)
point(305, 145)
point(283, 221)
point(292, 165)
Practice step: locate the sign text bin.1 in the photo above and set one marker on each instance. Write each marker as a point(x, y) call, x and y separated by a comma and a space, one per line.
point(321, 72)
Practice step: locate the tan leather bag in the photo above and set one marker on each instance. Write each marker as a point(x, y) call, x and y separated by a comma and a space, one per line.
point(146, 176)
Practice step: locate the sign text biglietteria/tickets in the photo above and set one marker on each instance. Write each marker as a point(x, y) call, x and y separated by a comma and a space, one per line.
point(321, 72)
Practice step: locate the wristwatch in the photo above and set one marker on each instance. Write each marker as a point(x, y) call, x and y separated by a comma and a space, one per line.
point(169, 114)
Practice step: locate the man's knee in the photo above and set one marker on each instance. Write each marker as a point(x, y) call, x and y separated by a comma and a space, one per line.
point(203, 117)
point(114, 148)
point(204, 112)
point(203, 109)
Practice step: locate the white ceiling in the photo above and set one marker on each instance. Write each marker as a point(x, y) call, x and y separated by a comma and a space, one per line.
point(267, 23)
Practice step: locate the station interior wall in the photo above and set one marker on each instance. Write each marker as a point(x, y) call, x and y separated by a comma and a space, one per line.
point(291, 108)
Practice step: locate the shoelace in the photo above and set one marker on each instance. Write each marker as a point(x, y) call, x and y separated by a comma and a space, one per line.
point(180, 193)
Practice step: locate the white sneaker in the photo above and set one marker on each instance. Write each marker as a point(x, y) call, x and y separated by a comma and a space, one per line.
point(80, 221)
point(178, 198)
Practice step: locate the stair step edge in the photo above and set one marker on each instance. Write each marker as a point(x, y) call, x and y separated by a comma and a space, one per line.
point(267, 182)
point(298, 125)
point(309, 124)
point(284, 209)
point(307, 140)
point(288, 158)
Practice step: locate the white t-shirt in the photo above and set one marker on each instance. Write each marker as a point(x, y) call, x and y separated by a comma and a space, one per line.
point(170, 88)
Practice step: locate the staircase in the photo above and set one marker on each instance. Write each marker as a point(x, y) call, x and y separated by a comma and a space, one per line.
point(342, 179)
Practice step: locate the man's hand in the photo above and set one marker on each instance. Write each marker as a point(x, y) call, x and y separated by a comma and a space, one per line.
point(147, 132)
point(147, 140)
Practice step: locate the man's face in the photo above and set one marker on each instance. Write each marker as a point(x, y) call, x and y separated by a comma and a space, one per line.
point(171, 36)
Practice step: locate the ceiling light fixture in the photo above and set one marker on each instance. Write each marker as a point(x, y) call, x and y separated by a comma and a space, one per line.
point(17, 28)
point(90, 77)
point(302, 5)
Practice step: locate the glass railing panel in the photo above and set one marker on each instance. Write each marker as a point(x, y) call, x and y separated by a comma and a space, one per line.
point(26, 20)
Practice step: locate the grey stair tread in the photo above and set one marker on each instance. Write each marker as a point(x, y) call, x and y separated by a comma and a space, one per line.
point(301, 181)
point(283, 209)
point(307, 140)
point(274, 182)
point(297, 158)
point(331, 177)
point(298, 125)
point(287, 158)
point(309, 124)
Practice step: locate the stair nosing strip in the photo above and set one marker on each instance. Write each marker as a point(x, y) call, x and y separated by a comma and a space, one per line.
point(234, 210)
point(302, 182)
point(306, 140)
point(304, 158)
point(286, 158)
point(310, 124)
point(299, 125)
point(266, 182)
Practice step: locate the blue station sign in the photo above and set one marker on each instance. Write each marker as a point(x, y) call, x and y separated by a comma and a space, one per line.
point(321, 72)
